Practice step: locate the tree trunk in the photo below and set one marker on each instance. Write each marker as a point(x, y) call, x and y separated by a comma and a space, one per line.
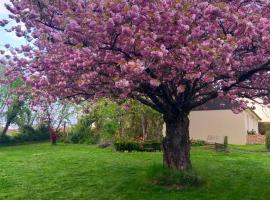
point(176, 144)
point(4, 132)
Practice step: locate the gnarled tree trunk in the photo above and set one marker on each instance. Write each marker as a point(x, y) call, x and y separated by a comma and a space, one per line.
point(176, 144)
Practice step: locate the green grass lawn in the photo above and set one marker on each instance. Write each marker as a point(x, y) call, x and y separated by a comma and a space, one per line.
point(254, 148)
point(42, 171)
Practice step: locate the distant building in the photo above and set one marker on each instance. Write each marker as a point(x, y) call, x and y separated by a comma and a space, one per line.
point(216, 120)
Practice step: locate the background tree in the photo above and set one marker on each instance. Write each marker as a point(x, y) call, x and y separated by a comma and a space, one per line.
point(170, 55)
point(11, 115)
point(12, 105)
point(138, 121)
point(55, 115)
point(4, 94)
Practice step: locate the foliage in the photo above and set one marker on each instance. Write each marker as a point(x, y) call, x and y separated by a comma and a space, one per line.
point(5, 139)
point(130, 146)
point(172, 178)
point(264, 127)
point(27, 134)
point(105, 115)
point(25, 117)
point(119, 56)
point(267, 140)
point(12, 114)
point(14, 108)
point(4, 94)
point(82, 132)
point(140, 122)
point(55, 114)
point(106, 121)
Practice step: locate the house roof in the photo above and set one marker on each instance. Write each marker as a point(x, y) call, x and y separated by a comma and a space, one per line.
point(222, 104)
point(255, 114)
point(216, 104)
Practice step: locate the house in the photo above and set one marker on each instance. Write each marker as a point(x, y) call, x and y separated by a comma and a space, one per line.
point(264, 112)
point(215, 120)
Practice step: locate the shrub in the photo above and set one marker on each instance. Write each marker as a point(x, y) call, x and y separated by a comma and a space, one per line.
point(83, 137)
point(82, 133)
point(264, 127)
point(267, 142)
point(128, 146)
point(42, 132)
point(172, 178)
point(137, 146)
point(27, 134)
point(5, 139)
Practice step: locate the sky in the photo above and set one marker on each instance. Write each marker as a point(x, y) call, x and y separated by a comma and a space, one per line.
point(6, 37)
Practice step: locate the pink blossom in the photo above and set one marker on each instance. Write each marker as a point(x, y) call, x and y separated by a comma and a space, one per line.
point(125, 50)
point(155, 82)
point(181, 88)
point(122, 84)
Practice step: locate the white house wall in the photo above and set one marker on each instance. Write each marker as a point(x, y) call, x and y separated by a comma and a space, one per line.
point(218, 123)
point(251, 122)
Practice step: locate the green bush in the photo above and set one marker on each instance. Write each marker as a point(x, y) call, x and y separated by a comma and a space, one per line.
point(172, 178)
point(81, 133)
point(267, 140)
point(137, 146)
point(27, 134)
point(4, 139)
point(128, 146)
point(42, 132)
point(264, 127)
point(83, 137)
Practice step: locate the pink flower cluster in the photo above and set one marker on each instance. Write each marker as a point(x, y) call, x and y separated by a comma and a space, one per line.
point(163, 51)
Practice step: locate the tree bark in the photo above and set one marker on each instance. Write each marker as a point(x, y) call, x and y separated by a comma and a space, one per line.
point(4, 132)
point(176, 144)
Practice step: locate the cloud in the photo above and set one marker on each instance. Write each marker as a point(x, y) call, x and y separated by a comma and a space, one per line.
point(3, 10)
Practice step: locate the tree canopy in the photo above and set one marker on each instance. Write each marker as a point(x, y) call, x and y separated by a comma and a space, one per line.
point(178, 53)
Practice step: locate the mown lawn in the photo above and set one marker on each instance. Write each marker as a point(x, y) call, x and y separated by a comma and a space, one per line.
point(42, 171)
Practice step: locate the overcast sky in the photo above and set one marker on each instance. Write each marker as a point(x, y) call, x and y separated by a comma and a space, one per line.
point(6, 37)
